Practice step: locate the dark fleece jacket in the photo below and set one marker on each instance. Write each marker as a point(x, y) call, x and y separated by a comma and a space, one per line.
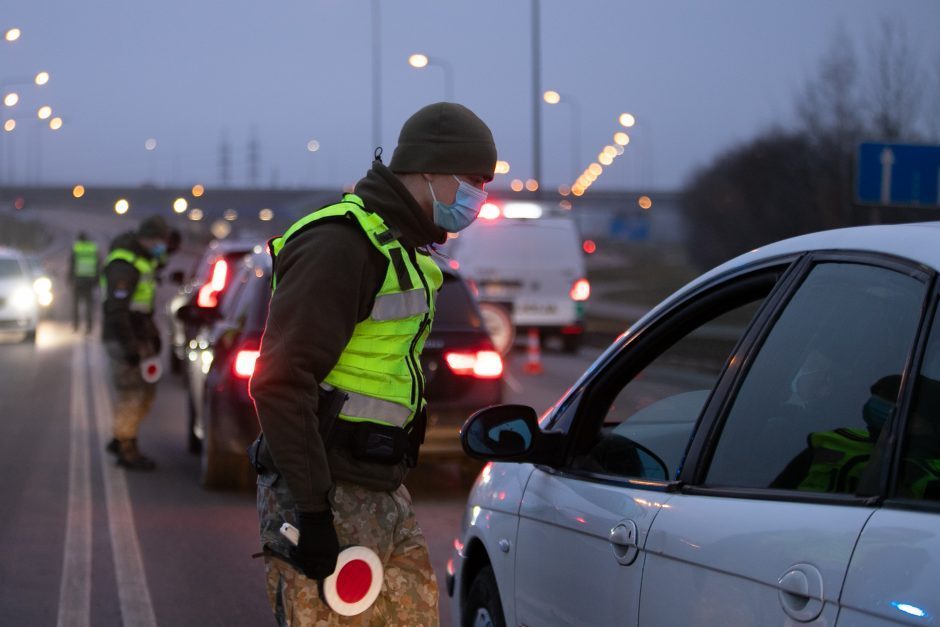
point(327, 278)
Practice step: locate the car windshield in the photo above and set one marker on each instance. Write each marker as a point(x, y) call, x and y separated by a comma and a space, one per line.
point(10, 269)
point(454, 306)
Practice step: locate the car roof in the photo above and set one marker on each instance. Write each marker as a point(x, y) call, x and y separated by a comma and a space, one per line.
point(918, 242)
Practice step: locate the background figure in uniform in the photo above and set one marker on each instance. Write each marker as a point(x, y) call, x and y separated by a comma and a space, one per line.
point(129, 332)
point(338, 386)
point(83, 277)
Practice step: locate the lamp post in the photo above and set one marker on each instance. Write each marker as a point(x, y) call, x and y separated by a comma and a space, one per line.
point(536, 92)
point(553, 98)
point(376, 76)
point(420, 61)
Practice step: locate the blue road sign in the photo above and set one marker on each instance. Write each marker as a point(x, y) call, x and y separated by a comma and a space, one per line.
point(901, 175)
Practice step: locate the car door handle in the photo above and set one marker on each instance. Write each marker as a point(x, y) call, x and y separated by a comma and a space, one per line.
point(801, 592)
point(623, 540)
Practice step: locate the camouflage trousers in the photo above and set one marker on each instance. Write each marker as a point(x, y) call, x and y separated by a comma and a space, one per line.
point(134, 395)
point(383, 521)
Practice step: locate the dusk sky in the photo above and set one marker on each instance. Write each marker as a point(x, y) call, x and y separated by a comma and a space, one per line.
point(698, 75)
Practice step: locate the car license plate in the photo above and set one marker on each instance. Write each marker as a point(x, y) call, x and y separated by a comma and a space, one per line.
point(541, 308)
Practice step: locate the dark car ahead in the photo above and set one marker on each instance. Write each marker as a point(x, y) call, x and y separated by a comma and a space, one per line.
point(463, 372)
point(205, 288)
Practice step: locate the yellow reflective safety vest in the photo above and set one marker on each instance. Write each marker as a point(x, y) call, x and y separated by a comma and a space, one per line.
point(85, 255)
point(379, 369)
point(839, 459)
point(142, 299)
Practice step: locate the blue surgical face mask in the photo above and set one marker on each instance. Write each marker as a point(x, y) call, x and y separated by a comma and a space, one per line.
point(464, 210)
point(877, 412)
point(158, 250)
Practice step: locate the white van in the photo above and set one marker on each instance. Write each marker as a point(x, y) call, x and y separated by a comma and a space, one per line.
point(529, 267)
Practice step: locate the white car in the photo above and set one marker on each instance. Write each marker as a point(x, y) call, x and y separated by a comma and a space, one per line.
point(762, 448)
point(19, 309)
point(528, 269)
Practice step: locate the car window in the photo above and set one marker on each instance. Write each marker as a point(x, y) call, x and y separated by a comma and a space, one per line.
point(807, 415)
point(10, 269)
point(454, 306)
point(232, 305)
point(920, 460)
point(647, 426)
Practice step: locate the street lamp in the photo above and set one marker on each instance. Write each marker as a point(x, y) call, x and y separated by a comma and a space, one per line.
point(420, 61)
point(11, 99)
point(553, 97)
point(12, 35)
point(41, 78)
point(44, 112)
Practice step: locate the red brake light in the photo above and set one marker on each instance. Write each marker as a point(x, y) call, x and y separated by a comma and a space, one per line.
point(581, 290)
point(209, 293)
point(245, 363)
point(480, 364)
point(490, 211)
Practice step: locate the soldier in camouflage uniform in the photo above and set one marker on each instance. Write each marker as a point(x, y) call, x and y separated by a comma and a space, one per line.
point(338, 385)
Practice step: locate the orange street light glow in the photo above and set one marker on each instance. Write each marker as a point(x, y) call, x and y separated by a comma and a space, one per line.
point(551, 97)
point(502, 167)
point(42, 78)
point(55, 123)
point(13, 34)
point(78, 191)
point(644, 202)
point(198, 190)
point(627, 120)
point(517, 185)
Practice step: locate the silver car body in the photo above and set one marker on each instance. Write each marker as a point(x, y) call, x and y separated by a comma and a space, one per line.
point(569, 550)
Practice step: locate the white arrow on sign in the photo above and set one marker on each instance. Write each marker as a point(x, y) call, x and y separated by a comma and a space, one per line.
point(887, 160)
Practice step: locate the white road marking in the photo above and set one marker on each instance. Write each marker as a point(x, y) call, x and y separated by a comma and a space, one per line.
point(133, 593)
point(75, 587)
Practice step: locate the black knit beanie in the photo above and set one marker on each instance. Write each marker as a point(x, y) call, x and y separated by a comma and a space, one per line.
point(154, 226)
point(445, 138)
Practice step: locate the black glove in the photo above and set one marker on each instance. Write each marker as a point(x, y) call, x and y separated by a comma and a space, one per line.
point(316, 553)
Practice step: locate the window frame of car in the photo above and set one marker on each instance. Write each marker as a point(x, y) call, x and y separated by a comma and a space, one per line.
point(711, 424)
point(644, 344)
point(930, 322)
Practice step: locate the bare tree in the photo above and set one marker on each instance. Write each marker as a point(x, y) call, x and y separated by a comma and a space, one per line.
point(829, 108)
point(895, 91)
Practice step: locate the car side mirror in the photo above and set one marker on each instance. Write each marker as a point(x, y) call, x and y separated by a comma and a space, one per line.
point(509, 433)
point(193, 314)
point(177, 277)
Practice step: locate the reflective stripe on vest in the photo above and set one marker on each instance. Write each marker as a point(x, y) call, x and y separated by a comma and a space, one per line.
point(379, 368)
point(86, 258)
point(401, 305)
point(359, 407)
point(143, 297)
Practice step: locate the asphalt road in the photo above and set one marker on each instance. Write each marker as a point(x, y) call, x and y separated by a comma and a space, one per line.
point(86, 543)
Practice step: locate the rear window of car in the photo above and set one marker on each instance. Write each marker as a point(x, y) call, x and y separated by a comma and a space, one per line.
point(455, 306)
point(10, 269)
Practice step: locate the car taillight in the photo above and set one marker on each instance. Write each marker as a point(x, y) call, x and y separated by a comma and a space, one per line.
point(245, 363)
point(581, 290)
point(479, 364)
point(209, 293)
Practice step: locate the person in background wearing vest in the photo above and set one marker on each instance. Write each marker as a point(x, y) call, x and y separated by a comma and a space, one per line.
point(129, 332)
point(83, 276)
point(338, 386)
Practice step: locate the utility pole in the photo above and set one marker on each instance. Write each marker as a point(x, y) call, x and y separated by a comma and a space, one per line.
point(376, 76)
point(225, 160)
point(254, 159)
point(536, 94)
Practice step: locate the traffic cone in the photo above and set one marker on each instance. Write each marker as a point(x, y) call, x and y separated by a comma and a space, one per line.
point(533, 364)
